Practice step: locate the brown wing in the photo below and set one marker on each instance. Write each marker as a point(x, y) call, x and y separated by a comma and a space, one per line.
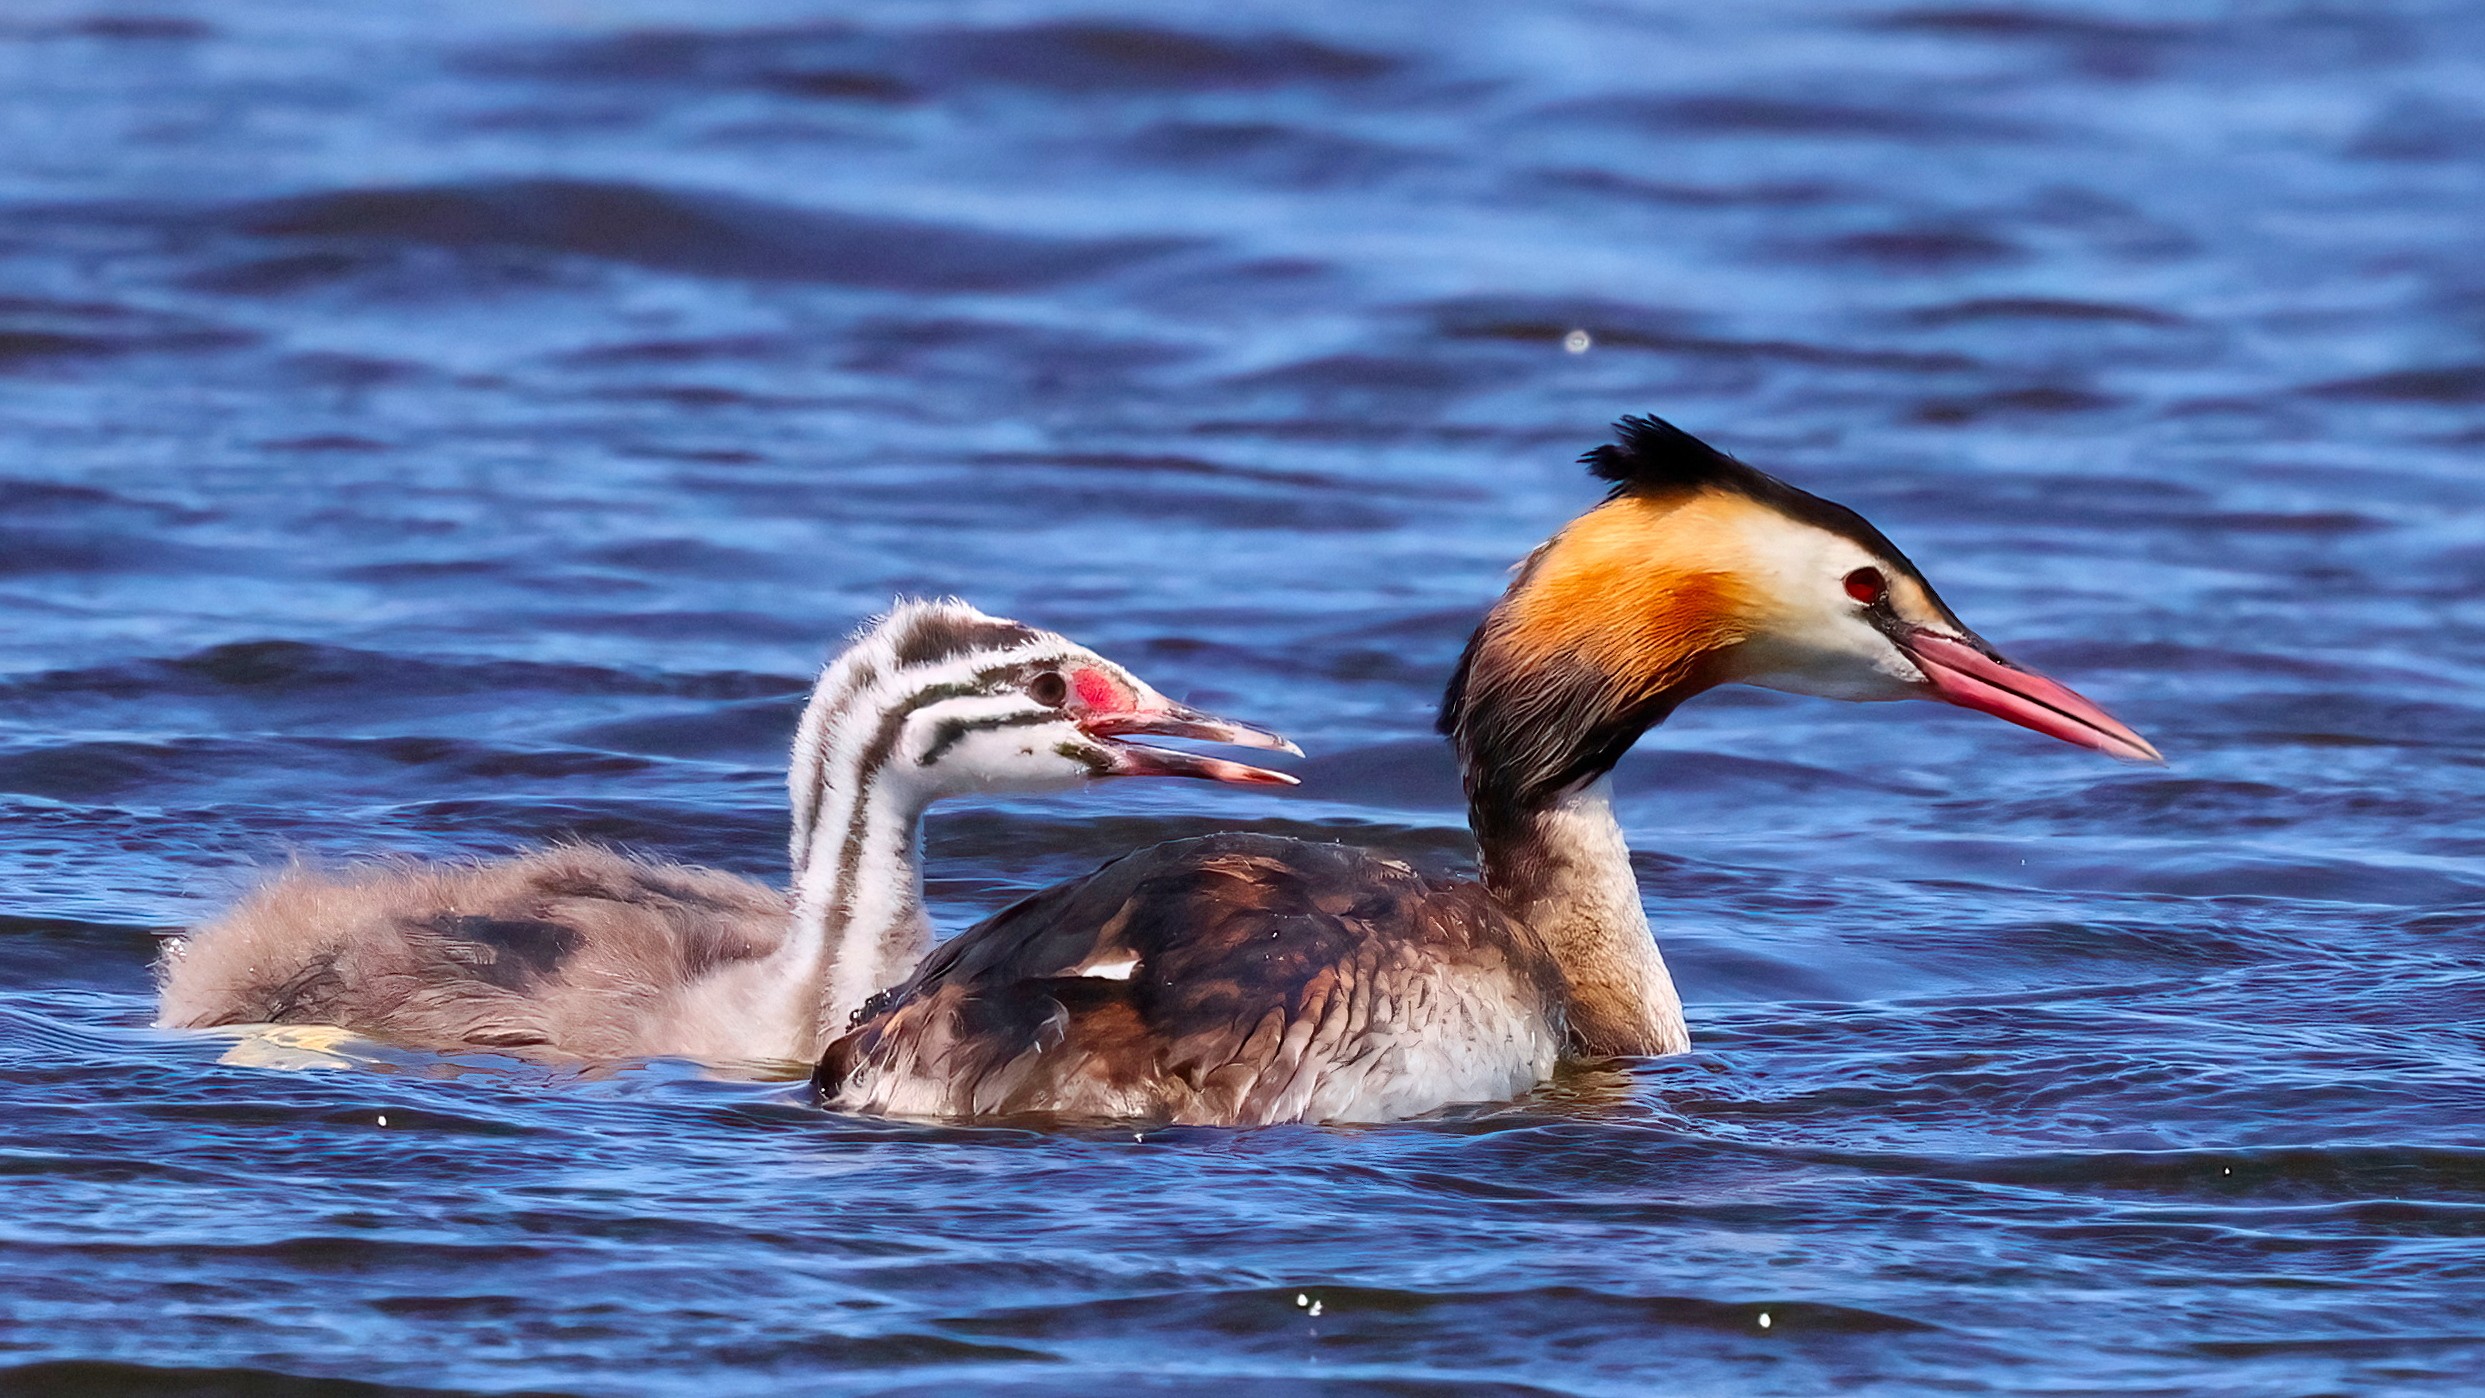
point(568, 950)
point(1235, 978)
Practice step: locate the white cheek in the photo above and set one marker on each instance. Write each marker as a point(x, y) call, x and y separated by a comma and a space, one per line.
point(1819, 641)
point(1855, 663)
point(1023, 760)
point(938, 760)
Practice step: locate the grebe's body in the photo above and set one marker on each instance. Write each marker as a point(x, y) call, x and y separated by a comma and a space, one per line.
point(569, 952)
point(576, 952)
point(1245, 979)
point(1228, 979)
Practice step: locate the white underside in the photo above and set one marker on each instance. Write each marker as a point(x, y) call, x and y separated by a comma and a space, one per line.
point(763, 1011)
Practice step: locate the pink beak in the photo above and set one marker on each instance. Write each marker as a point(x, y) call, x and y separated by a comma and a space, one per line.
point(1172, 720)
point(1968, 677)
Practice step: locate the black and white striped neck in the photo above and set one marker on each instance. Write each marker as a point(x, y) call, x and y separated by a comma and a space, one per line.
point(876, 748)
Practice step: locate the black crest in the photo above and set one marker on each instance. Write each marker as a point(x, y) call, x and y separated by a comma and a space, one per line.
point(1653, 453)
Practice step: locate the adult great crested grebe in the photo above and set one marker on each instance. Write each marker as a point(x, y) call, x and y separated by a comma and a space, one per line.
point(577, 952)
point(1241, 979)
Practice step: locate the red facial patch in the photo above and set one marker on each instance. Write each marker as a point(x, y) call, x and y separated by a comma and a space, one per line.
point(1097, 691)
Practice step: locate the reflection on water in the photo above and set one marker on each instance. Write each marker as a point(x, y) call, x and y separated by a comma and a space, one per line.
point(435, 428)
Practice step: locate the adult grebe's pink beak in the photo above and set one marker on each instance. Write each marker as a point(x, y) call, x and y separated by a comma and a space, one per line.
point(1964, 674)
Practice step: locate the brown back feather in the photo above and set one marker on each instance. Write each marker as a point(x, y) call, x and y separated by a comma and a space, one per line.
point(1254, 955)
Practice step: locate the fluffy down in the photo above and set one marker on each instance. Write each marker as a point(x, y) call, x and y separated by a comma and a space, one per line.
point(569, 952)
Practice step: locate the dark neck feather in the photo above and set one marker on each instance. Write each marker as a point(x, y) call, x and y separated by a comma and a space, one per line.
point(1529, 734)
point(1535, 739)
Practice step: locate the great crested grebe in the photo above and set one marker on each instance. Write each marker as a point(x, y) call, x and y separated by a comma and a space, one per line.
point(1242, 979)
point(577, 952)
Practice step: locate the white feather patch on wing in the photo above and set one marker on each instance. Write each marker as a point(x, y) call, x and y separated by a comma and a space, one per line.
point(1111, 966)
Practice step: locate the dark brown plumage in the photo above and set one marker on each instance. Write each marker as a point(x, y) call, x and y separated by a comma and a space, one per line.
point(1232, 979)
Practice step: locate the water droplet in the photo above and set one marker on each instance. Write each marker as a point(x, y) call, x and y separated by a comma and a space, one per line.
point(1764, 1320)
point(1301, 1300)
point(1315, 1308)
point(383, 1118)
point(1578, 341)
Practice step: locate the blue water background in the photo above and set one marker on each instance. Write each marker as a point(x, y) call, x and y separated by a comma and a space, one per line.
point(441, 426)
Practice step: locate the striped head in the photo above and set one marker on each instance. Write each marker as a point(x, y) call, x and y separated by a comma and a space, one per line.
point(937, 699)
point(1697, 571)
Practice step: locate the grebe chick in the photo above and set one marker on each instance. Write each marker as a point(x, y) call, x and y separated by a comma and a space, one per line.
point(580, 953)
point(1242, 979)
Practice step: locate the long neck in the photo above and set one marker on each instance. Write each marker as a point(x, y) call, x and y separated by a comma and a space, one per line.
point(859, 919)
point(1588, 650)
point(1565, 869)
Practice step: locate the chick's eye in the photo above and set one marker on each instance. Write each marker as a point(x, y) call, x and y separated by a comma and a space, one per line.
point(1866, 585)
point(1048, 689)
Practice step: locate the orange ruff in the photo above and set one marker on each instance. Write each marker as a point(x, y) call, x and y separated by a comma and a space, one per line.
point(1644, 590)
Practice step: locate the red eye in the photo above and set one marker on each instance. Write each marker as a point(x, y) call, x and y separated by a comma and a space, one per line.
point(1866, 585)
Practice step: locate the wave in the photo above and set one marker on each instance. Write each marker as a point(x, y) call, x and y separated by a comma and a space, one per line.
point(842, 62)
point(696, 232)
point(275, 668)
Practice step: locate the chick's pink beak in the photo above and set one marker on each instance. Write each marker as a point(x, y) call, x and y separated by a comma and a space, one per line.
point(1161, 717)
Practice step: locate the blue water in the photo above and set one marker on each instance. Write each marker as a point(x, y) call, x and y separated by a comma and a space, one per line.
point(441, 426)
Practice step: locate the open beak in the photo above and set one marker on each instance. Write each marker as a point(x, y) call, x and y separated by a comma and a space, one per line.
point(1972, 678)
point(1161, 717)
